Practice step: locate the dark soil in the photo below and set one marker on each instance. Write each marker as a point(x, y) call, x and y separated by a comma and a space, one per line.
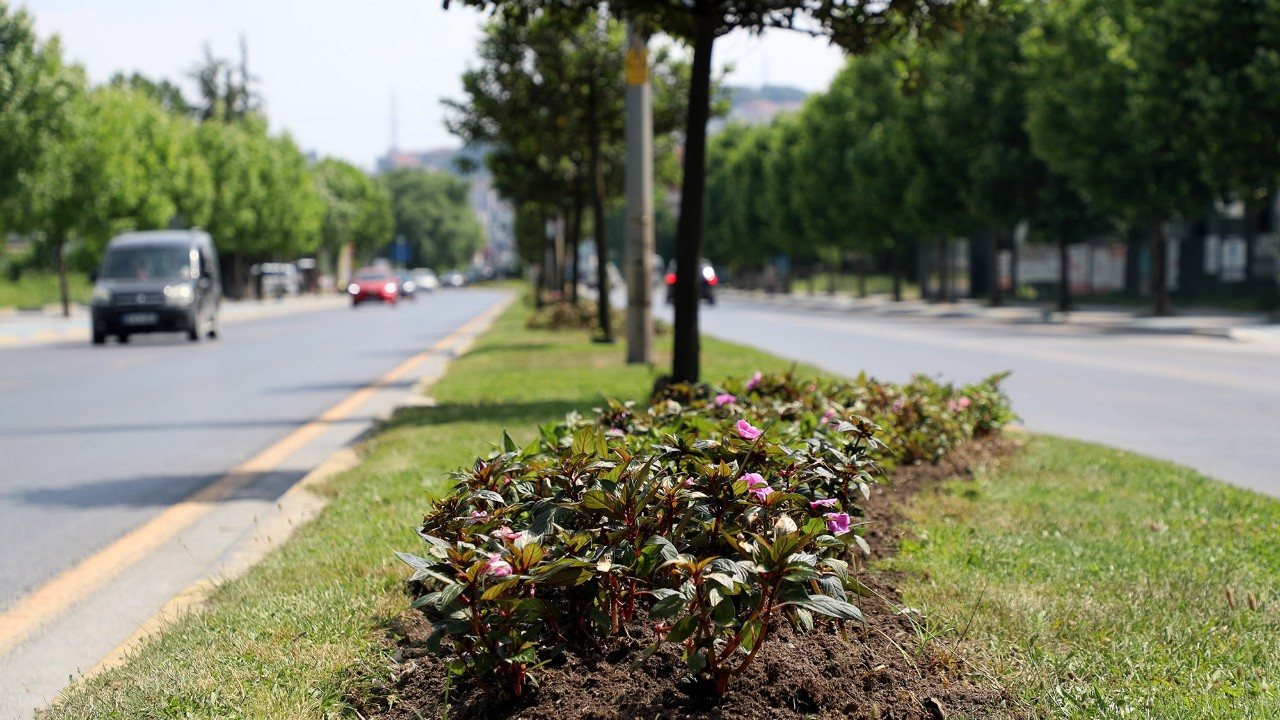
point(884, 670)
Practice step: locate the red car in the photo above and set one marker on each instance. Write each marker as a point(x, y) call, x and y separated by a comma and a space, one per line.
point(373, 284)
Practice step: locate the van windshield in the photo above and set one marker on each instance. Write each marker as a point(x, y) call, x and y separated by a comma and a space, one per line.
point(147, 262)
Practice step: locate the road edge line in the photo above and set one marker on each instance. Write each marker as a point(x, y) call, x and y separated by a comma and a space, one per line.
point(54, 597)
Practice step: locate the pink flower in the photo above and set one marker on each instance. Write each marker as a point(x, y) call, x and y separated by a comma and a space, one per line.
point(964, 402)
point(757, 487)
point(496, 566)
point(506, 533)
point(477, 517)
point(837, 523)
point(825, 502)
point(952, 406)
point(724, 399)
point(615, 433)
point(898, 405)
point(826, 417)
point(753, 382)
point(746, 431)
point(688, 482)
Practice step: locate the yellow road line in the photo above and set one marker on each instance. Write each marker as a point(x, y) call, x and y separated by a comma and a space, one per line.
point(71, 586)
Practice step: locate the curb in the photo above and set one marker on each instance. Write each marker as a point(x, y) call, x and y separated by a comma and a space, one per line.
point(1135, 326)
point(297, 506)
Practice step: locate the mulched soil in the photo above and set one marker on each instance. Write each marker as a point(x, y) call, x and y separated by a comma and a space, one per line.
point(883, 672)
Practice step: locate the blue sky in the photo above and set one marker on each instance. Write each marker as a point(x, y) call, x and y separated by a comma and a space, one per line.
point(327, 68)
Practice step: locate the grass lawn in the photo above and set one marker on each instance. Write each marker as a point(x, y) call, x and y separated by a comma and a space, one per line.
point(1082, 580)
point(1095, 584)
point(35, 290)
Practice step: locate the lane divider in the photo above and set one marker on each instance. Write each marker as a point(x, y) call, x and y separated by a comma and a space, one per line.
point(71, 586)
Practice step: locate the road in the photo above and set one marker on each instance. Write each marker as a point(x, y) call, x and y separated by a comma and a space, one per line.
point(1208, 403)
point(97, 443)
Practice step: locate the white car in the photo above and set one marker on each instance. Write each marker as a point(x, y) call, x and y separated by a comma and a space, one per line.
point(425, 279)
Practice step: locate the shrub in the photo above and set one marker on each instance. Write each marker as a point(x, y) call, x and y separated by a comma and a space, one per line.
point(563, 315)
point(720, 514)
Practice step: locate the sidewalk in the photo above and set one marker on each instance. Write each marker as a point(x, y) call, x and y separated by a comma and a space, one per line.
point(31, 327)
point(1244, 326)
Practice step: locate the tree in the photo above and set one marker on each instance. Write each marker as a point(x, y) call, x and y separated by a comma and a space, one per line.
point(226, 92)
point(1088, 117)
point(432, 214)
point(162, 91)
point(35, 105)
point(108, 172)
point(357, 209)
point(1206, 71)
point(549, 102)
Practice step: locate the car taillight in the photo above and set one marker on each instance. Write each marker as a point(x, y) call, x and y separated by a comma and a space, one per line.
point(671, 278)
point(712, 280)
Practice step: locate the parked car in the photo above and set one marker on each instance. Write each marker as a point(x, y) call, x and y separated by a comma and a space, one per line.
point(373, 284)
point(279, 279)
point(705, 288)
point(425, 279)
point(408, 288)
point(157, 281)
point(454, 279)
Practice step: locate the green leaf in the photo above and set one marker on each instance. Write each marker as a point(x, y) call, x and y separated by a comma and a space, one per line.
point(751, 634)
point(669, 606)
point(683, 628)
point(832, 607)
point(508, 445)
point(499, 589)
point(725, 612)
point(664, 545)
point(695, 661)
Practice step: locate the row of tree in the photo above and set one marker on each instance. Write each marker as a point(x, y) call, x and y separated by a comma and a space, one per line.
point(81, 163)
point(1075, 116)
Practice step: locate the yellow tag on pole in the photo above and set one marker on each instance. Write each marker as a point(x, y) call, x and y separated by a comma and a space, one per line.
point(637, 66)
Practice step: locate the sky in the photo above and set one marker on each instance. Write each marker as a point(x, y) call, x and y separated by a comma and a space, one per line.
point(327, 69)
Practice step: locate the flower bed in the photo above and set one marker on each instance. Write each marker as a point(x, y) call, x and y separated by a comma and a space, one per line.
point(717, 514)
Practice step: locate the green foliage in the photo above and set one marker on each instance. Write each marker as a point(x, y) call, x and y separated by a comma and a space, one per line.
point(714, 512)
point(357, 209)
point(432, 213)
point(37, 92)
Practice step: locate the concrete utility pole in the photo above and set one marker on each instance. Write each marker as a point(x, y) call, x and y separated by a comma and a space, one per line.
point(639, 199)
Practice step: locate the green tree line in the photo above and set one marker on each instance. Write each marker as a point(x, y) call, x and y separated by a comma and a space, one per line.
point(81, 163)
point(1073, 116)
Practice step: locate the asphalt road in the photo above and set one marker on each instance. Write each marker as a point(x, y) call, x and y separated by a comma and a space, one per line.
point(98, 441)
point(1208, 403)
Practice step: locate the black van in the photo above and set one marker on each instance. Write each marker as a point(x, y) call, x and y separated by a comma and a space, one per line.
point(157, 281)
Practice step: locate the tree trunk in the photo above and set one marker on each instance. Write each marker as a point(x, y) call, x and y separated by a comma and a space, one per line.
point(1064, 274)
point(944, 270)
point(862, 277)
point(897, 273)
point(1160, 292)
point(575, 240)
point(993, 267)
point(59, 243)
point(923, 271)
point(604, 319)
point(685, 358)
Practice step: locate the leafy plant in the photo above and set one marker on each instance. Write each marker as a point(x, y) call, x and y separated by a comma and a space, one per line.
point(719, 511)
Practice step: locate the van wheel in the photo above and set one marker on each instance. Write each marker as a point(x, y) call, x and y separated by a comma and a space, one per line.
point(124, 338)
point(99, 337)
point(193, 331)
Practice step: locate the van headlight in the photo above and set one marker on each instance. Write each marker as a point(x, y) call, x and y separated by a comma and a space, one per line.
point(179, 295)
point(101, 295)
